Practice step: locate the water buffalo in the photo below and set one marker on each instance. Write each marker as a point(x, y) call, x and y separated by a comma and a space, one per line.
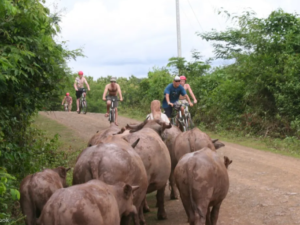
point(91, 203)
point(114, 160)
point(112, 129)
point(203, 183)
point(36, 189)
point(186, 142)
point(155, 156)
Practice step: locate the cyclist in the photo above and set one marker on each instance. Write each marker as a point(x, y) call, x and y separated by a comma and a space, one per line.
point(186, 87)
point(113, 89)
point(79, 87)
point(68, 102)
point(172, 93)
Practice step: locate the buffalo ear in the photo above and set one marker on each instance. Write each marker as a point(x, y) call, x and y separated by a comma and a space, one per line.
point(127, 191)
point(121, 131)
point(135, 143)
point(227, 161)
point(62, 172)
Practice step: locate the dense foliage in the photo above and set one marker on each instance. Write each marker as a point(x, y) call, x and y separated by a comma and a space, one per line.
point(260, 90)
point(32, 69)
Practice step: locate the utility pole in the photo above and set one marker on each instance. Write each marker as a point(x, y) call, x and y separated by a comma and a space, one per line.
point(178, 29)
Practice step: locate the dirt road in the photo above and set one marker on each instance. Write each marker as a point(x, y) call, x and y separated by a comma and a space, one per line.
point(264, 187)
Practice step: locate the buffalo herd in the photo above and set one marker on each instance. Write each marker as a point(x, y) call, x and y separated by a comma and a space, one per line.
point(113, 175)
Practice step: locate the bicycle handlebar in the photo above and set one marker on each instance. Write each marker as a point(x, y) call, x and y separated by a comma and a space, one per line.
point(113, 100)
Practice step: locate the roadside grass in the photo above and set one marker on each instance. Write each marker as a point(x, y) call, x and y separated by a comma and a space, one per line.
point(68, 142)
point(290, 146)
point(132, 113)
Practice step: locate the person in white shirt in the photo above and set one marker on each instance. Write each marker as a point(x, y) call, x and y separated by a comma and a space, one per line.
point(156, 113)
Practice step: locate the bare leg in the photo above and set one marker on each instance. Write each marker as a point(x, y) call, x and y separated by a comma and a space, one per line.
point(182, 111)
point(161, 213)
point(116, 118)
point(77, 103)
point(108, 104)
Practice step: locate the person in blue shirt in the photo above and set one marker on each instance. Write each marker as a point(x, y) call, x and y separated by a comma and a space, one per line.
point(172, 93)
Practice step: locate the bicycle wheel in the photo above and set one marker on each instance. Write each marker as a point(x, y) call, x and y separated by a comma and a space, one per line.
point(112, 116)
point(84, 106)
point(190, 122)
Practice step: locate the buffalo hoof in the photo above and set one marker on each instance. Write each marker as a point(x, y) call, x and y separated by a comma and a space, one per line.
point(146, 209)
point(142, 222)
point(161, 216)
point(174, 196)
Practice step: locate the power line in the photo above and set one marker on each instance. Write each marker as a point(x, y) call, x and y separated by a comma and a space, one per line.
point(188, 20)
point(195, 16)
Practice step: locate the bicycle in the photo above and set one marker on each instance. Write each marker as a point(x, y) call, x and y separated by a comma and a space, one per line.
point(66, 107)
point(185, 122)
point(112, 110)
point(82, 102)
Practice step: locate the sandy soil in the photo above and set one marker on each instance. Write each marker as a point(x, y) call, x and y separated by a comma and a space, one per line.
point(264, 187)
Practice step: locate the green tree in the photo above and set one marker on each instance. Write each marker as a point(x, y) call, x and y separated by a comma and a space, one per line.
point(265, 52)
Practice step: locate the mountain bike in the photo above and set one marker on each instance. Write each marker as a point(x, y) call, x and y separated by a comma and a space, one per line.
point(112, 110)
point(83, 102)
point(184, 122)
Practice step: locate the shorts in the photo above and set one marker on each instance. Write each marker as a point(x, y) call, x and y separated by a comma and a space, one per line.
point(79, 92)
point(183, 101)
point(69, 106)
point(110, 97)
point(168, 111)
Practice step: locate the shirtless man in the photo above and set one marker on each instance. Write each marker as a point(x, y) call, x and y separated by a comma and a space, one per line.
point(79, 87)
point(113, 89)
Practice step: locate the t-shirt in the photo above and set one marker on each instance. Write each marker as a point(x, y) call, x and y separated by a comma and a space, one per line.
point(163, 118)
point(174, 94)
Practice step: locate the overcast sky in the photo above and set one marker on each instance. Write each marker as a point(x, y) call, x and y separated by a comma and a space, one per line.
point(130, 37)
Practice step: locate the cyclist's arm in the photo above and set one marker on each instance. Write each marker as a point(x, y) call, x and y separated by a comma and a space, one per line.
point(88, 86)
point(120, 93)
point(63, 100)
point(188, 98)
point(104, 93)
point(75, 86)
point(167, 95)
point(168, 99)
point(192, 93)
